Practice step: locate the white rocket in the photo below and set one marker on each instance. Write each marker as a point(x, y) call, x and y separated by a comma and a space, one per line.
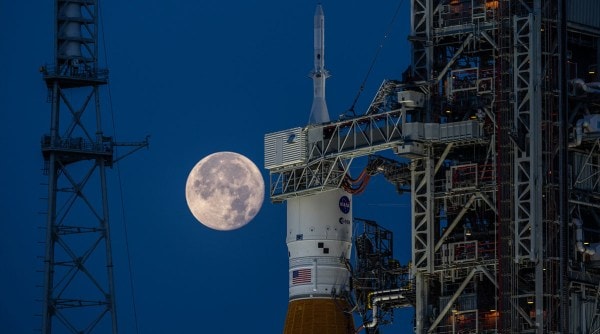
point(319, 241)
point(319, 238)
point(318, 112)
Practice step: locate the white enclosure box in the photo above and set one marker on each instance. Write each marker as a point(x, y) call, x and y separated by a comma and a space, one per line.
point(410, 150)
point(459, 131)
point(285, 147)
point(411, 99)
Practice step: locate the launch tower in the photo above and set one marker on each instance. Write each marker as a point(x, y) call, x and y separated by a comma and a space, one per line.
point(498, 117)
point(498, 219)
point(78, 269)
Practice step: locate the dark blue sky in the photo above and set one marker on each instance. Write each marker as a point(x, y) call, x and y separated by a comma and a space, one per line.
point(199, 77)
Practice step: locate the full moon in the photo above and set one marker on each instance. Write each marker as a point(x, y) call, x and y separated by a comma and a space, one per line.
point(224, 191)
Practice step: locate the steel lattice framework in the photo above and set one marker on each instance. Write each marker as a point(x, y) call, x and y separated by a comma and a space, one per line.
point(79, 293)
point(501, 128)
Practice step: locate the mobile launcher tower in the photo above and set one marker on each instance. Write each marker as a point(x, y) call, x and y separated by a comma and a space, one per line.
point(78, 284)
point(498, 118)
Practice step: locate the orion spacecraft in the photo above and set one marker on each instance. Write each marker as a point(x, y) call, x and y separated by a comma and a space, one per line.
point(318, 112)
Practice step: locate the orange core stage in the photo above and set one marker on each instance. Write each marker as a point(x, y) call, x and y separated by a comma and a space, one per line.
point(318, 316)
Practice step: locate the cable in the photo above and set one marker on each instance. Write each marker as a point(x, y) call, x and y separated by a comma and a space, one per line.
point(385, 36)
point(358, 185)
point(123, 216)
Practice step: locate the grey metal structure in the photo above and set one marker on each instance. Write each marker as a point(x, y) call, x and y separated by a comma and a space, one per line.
point(378, 274)
point(507, 63)
point(79, 290)
point(499, 116)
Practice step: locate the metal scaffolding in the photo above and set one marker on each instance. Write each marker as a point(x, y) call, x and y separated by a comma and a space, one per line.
point(79, 288)
point(499, 120)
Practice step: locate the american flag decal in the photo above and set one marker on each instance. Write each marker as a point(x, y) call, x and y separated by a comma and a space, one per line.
point(301, 276)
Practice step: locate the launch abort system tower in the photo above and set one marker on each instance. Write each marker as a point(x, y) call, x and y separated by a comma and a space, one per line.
point(78, 274)
point(498, 117)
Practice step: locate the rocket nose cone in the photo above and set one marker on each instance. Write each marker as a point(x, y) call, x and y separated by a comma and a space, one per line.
point(319, 10)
